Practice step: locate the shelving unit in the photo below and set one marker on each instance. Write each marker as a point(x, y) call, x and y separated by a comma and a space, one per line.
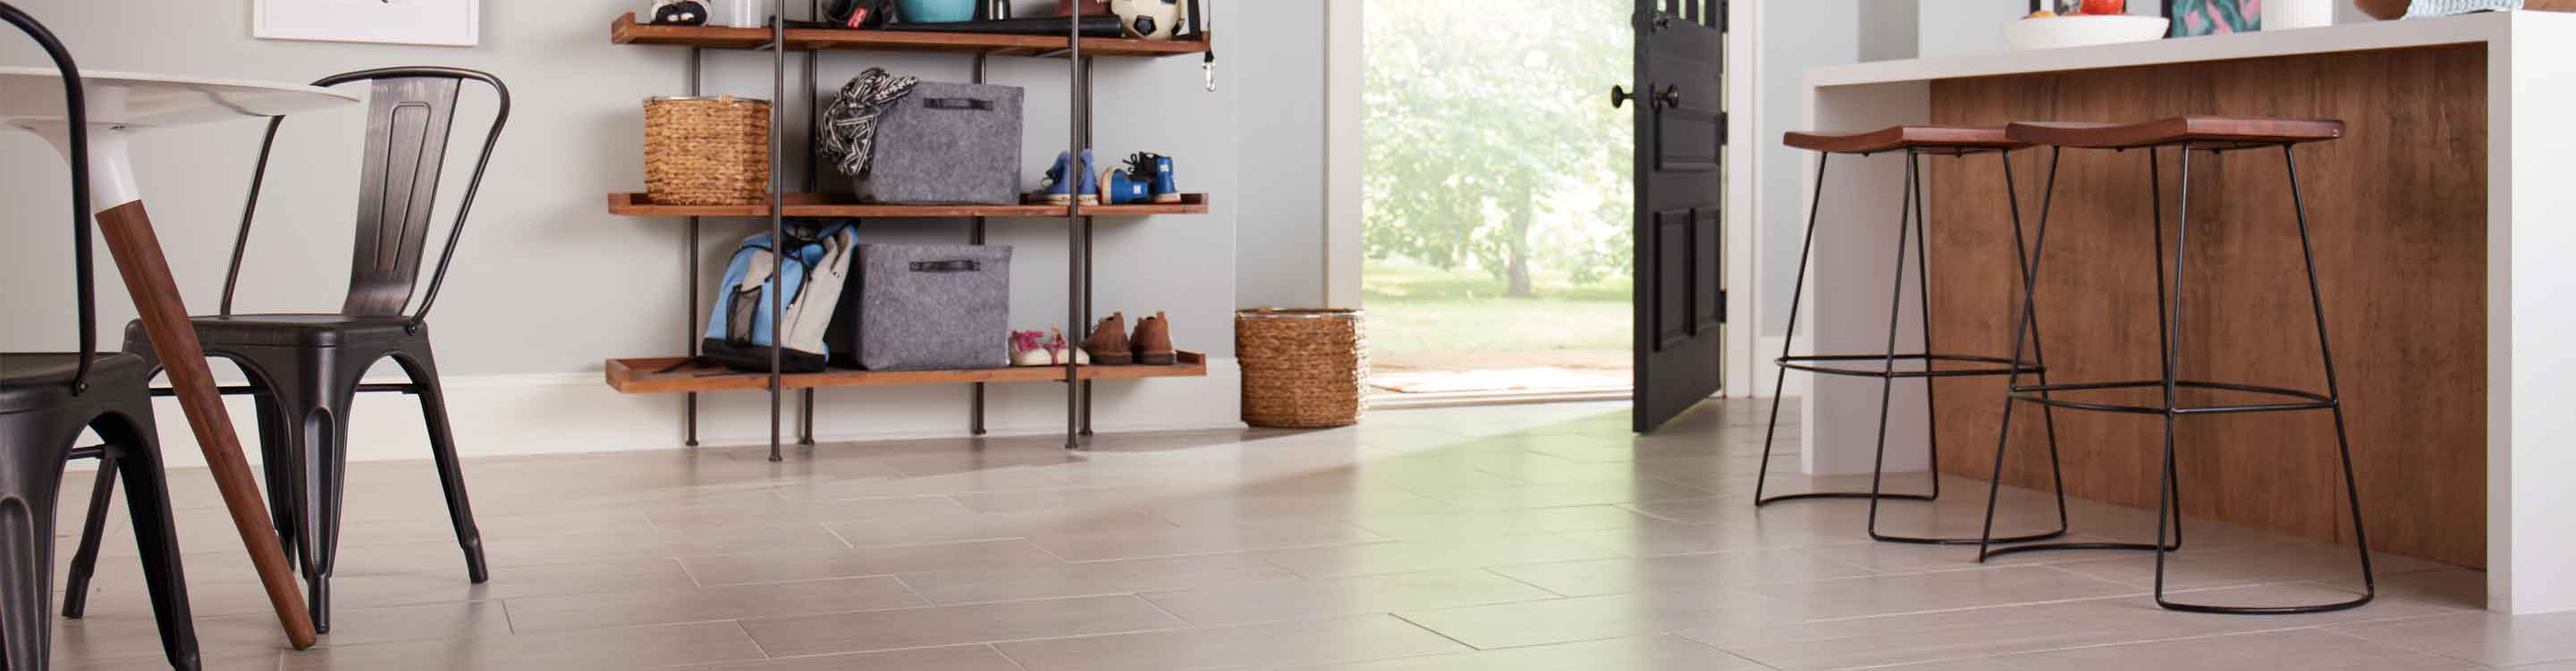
point(690, 376)
point(841, 205)
point(677, 375)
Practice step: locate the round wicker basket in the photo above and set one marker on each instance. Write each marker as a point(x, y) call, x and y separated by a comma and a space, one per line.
point(1302, 369)
point(706, 150)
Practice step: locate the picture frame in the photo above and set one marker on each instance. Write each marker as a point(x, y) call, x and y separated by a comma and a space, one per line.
point(2194, 18)
point(455, 23)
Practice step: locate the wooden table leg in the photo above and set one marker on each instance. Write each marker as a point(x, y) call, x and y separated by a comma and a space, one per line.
point(156, 297)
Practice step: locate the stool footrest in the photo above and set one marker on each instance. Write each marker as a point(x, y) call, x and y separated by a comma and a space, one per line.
point(1825, 364)
point(2304, 400)
point(1893, 538)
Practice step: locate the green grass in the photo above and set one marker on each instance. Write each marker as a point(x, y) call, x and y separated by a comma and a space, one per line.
point(1416, 308)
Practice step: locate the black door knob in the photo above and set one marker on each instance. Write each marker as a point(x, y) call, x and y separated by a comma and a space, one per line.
point(1619, 96)
point(1671, 97)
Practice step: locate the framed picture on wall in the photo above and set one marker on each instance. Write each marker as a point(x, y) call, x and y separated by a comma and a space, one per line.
point(2194, 18)
point(435, 22)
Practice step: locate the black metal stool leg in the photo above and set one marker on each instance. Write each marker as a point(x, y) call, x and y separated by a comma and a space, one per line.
point(2028, 328)
point(1797, 295)
point(2343, 445)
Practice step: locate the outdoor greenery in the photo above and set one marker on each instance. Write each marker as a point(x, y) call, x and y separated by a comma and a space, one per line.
point(1492, 148)
point(1417, 309)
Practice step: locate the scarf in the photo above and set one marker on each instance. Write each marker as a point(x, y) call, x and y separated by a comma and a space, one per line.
point(849, 127)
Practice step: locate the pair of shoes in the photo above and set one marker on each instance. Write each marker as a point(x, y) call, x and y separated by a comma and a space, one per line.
point(1110, 345)
point(1148, 177)
point(1034, 348)
point(1059, 190)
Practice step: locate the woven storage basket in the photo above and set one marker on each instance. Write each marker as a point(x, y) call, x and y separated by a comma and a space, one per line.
point(706, 150)
point(1302, 369)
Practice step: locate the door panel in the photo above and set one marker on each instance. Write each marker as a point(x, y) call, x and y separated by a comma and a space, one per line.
point(1680, 116)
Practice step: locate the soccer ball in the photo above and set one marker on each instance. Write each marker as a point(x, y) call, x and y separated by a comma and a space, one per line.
point(1148, 19)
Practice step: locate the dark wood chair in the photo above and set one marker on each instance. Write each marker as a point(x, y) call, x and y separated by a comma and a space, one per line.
point(46, 401)
point(306, 368)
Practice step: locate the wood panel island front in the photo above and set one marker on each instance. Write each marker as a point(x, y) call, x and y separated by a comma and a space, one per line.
point(2445, 224)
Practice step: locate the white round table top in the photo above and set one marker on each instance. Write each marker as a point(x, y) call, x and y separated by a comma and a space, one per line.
point(34, 95)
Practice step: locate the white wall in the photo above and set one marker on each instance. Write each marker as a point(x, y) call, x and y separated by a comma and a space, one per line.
point(547, 285)
point(1795, 36)
point(1279, 247)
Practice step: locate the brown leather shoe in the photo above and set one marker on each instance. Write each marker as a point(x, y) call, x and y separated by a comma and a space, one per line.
point(1108, 342)
point(1154, 341)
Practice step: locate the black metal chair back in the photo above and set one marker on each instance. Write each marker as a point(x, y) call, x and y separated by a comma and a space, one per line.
point(410, 112)
point(75, 113)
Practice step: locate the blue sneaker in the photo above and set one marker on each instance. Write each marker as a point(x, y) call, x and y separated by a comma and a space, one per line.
point(1155, 170)
point(1119, 187)
point(1060, 191)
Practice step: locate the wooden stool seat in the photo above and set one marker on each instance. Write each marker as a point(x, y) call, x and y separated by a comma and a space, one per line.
point(2216, 132)
point(1934, 139)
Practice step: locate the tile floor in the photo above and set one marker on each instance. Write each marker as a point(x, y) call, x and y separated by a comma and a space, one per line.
point(1527, 538)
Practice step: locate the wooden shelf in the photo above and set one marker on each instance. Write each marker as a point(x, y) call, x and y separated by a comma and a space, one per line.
point(625, 30)
point(840, 205)
point(659, 376)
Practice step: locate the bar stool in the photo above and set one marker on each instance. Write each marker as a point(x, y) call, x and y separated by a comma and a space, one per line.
point(2216, 135)
point(1915, 141)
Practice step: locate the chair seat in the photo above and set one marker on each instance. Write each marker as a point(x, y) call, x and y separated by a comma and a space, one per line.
point(33, 381)
point(1943, 138)
point(2217, 131)
point(290, 330)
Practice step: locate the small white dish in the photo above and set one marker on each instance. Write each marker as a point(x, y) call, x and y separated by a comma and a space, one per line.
point(2082, 30)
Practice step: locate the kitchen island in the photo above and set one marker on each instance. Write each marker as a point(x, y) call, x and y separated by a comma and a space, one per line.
point(2445, 225)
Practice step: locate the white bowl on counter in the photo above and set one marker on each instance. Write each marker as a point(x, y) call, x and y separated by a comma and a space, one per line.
point(2082, 30)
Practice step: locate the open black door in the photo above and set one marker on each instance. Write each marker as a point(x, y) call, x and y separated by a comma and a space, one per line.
point(1680, 103)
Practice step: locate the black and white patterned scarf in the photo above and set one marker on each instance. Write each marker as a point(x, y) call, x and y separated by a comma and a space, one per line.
point(849, 126)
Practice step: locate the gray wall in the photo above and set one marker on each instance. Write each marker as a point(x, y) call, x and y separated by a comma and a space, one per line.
point(1279, 244)
point(546, 281)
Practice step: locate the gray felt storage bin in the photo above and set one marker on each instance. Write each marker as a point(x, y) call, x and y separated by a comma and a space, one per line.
point(948, 143)
point(924, 307)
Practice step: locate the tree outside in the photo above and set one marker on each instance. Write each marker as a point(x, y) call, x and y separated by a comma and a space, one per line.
point(1497, 192)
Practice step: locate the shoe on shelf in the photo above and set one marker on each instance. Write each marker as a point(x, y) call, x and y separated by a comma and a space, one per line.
point(1059, 190)
point(1108, 342)
point(1155, 170)
point(1119, 187)
point(1153, 341)
point(1034, 348)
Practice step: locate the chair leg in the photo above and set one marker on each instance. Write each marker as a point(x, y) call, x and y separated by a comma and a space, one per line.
point(2325, 352)
point(277, 465)
point(313, 395)
point(1797, 293)
point(26, 573)
point(451, 474)
point(38, 444)
point(156, 537)
point(85, 560)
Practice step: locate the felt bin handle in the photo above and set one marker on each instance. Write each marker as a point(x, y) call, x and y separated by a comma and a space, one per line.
point(957, 104)
point(955, 266)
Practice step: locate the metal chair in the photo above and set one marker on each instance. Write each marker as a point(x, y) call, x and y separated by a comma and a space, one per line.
point(1915, 142)
point(305, 368)
point(46, 400)
point(2214, 135)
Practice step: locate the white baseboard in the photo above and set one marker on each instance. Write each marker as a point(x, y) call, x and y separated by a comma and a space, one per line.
point(503, 415)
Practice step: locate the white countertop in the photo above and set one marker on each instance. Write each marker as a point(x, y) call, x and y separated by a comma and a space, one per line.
point(2470, 28)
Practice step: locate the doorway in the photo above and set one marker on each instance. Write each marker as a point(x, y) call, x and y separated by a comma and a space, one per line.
point(1497, 200)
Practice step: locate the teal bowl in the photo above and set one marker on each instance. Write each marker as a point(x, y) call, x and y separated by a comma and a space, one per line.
point(937, 11)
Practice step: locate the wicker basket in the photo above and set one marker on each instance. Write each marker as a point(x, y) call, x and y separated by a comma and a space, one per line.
point(1302, 369)
point(706, 150)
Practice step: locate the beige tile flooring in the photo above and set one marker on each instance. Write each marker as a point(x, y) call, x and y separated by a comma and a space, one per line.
point(1520, 538)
